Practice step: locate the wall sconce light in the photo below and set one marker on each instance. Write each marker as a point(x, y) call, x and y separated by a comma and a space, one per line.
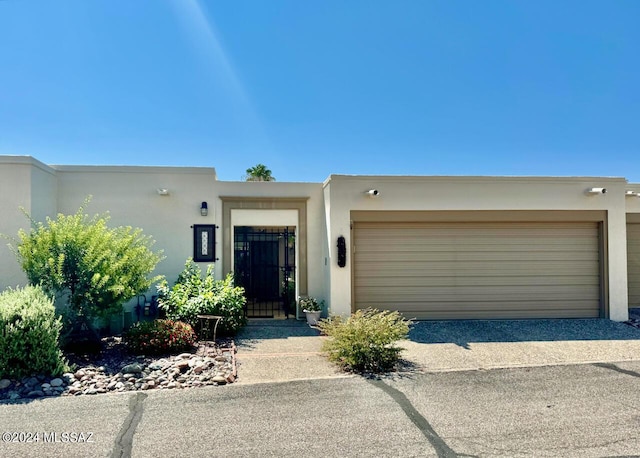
point(163, 191)
point(204, 209)
point(372, 192)
point(632, 194)
point(594, 191)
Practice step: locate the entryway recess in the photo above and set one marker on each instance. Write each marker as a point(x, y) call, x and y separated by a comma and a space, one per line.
point(264, 265)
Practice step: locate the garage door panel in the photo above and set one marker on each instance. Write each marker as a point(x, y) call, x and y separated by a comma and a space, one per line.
point(459, 256)
point(479, 281)
point(506, 313)
point(478, 270)
point(633, 264)
point(489, 310)
point(481, 269)
point(483, 306)
point(470, 293)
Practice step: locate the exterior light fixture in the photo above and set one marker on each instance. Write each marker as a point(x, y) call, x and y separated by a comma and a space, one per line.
point(632, 194)
point(594, 191)
point(163, 191)
point(204, 209)
point(372, 192)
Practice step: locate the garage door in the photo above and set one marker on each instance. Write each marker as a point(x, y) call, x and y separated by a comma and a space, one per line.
point(633, 264)
point(478, 270)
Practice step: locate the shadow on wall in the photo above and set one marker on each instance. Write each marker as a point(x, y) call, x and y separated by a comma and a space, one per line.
point(464, 332)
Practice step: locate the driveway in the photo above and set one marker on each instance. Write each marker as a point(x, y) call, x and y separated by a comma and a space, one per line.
point(290, 350)
point(435, 346)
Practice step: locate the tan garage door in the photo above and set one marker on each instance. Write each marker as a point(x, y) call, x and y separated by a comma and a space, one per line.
point(633, 264)
point(478, 270)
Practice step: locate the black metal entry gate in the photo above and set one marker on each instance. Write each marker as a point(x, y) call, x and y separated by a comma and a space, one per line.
point(264, 265)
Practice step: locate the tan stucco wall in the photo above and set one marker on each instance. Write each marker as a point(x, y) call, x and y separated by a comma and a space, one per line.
point(347, 193)
point(632, 203)
point(130, 195)
point(316, 236)
point(30, 184)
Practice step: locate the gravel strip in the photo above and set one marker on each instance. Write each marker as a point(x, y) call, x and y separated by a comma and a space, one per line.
point(113, 370)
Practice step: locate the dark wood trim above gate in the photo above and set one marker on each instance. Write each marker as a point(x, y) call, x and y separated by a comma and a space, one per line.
point(267, 203)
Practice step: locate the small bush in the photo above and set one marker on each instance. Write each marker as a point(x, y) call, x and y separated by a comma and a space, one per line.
point(365, 342)
point(29, 333)
point(159, 337)
point(193, 295)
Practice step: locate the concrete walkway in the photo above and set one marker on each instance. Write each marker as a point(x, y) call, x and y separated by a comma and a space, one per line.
point(283, 350)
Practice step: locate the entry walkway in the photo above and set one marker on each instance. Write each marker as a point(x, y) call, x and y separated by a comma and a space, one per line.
point(283, 350)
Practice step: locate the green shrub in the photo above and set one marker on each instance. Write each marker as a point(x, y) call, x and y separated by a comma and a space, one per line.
point(85, 264)
point(159, 337)
point(194, 295)
point(29, 332)
point(365, 342)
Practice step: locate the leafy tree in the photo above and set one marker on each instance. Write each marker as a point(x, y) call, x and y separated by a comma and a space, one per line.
point(259, 172)
point(92, 268)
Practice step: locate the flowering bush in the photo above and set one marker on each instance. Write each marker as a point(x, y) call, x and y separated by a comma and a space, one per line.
point(159, 337)
point(310, 304)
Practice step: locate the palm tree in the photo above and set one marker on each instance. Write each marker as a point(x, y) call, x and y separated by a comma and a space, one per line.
point(259, 172)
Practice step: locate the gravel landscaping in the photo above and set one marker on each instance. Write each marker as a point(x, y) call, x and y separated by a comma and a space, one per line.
point(115, 370)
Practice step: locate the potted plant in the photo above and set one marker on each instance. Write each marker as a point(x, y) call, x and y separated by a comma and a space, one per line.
point(312, 309)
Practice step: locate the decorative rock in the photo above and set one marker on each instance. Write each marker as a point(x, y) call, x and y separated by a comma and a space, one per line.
point(219, 379)
point(182, 365)
point(134, 368)
point(186, 370)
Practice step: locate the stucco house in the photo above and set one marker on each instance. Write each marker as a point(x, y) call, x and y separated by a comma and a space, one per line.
point(433, 247)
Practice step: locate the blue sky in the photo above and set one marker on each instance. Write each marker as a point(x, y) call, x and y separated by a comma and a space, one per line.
point(440, 87)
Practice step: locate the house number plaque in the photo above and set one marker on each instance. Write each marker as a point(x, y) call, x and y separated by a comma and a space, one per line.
point(204, 242)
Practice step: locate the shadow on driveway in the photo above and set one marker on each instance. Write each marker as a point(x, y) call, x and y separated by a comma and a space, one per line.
point(464, 332)
point(258, 330)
